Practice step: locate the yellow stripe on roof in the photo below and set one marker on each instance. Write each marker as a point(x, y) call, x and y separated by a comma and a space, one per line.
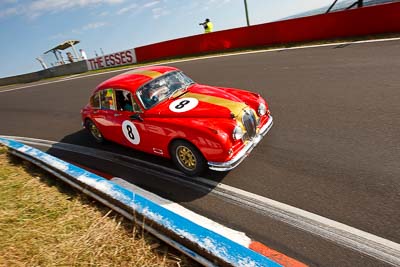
point(149, 73)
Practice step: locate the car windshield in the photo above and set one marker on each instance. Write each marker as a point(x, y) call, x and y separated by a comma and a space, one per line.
point(162, 88)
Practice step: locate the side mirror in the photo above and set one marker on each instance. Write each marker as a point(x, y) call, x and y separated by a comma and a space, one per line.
point(136, 117)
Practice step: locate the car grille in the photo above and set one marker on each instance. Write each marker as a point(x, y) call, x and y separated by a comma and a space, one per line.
point(250, 123)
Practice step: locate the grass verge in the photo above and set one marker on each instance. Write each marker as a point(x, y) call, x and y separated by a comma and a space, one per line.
point(44, 222)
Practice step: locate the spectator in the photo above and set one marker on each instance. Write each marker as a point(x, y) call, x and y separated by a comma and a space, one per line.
point(70, 57)
point(83, 54)
point(208, 26)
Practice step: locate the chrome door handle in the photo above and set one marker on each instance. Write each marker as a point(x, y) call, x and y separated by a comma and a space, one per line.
point(117, 114)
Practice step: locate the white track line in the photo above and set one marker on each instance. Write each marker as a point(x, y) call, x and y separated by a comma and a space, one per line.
point(339, 233)
point(366, 243)
point(74, 77)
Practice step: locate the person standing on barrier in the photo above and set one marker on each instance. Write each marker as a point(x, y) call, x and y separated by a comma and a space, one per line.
point(208, 26)
point(83, 54)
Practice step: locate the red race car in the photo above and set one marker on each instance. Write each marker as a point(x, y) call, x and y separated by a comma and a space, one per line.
point(159, 110)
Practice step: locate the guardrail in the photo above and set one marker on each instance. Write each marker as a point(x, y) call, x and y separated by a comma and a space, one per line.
point(67, 69)
point(198, 242)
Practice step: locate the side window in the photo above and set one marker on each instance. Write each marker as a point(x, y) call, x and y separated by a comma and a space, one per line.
point(95, 101)
point(125, 102)
point(107, 99)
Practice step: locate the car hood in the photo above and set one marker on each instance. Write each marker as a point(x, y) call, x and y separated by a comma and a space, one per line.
point(200, 101)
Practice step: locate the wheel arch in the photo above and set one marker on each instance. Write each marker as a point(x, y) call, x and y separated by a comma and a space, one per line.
point(85, 121)
point(176, 139)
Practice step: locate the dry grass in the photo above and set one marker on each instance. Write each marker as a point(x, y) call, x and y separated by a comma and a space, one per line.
point(44, 222)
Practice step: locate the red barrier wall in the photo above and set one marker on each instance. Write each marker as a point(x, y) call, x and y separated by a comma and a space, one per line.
point(362, 21)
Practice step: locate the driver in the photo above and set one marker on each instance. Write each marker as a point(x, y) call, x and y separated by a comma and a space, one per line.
point(154, 93)
point(159, 90)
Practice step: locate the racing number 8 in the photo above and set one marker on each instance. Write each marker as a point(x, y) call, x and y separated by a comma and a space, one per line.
point(130, 134)
point(182, 104)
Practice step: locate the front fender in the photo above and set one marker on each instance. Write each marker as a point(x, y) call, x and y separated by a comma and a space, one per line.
point(213, 137)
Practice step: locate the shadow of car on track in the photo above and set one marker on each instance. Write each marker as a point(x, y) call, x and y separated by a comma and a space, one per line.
point(155, 174)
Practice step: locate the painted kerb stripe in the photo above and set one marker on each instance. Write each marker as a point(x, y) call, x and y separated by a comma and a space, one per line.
point(204, 241)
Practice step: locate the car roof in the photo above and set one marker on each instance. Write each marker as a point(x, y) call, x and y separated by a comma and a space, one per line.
point(133, 79)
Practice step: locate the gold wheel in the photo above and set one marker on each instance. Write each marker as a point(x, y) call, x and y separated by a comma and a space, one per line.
point(186, 157)
point(94, 131)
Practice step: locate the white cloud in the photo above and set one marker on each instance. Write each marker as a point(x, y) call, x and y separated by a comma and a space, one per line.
point(9, 12)
point(88, 27)
point(159, 12)
point(214, 4)
point(127, 9)
point(5, 2)
point(81, 30)
point(104, 13)
point(135, 8)
point(58, 5)
point(40, 7)
point(150, 4)
point(59, 36)
point(93, 25)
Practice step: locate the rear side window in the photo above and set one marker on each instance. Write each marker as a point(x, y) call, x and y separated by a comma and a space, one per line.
point(95, 101)
point(107, 99)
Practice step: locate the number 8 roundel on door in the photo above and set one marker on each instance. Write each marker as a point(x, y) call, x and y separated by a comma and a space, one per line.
point(183, 104)
point(130, 132)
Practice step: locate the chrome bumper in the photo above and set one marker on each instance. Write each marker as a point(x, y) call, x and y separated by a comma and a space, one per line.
point(235, 161)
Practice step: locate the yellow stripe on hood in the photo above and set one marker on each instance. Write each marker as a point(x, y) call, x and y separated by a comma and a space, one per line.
point(149, 73)
point(233, 106)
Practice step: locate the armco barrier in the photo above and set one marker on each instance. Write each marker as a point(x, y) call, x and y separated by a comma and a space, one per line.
point(67, 69)
point(203, 245)
point(377, 19)
point(24, 78)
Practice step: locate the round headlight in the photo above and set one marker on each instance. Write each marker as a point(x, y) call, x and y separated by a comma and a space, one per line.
point(262, 109)
point(237, 133)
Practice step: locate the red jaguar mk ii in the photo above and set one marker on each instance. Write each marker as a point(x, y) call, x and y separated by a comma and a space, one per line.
point(159, 110)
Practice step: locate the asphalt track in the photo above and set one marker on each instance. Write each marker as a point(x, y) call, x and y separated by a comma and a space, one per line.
point(334, 149)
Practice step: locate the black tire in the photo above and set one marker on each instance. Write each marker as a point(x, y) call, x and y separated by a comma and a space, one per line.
point(187, 158)
point(94, 131)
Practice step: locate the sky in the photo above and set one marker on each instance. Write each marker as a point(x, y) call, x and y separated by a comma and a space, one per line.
point(29, 28)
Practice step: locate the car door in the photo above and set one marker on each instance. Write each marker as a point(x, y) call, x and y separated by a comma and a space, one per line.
point(129, 127)
point(104, 102)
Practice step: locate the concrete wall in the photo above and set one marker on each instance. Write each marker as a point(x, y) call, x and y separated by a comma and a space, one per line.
point(67, 69)
point(371, 20)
